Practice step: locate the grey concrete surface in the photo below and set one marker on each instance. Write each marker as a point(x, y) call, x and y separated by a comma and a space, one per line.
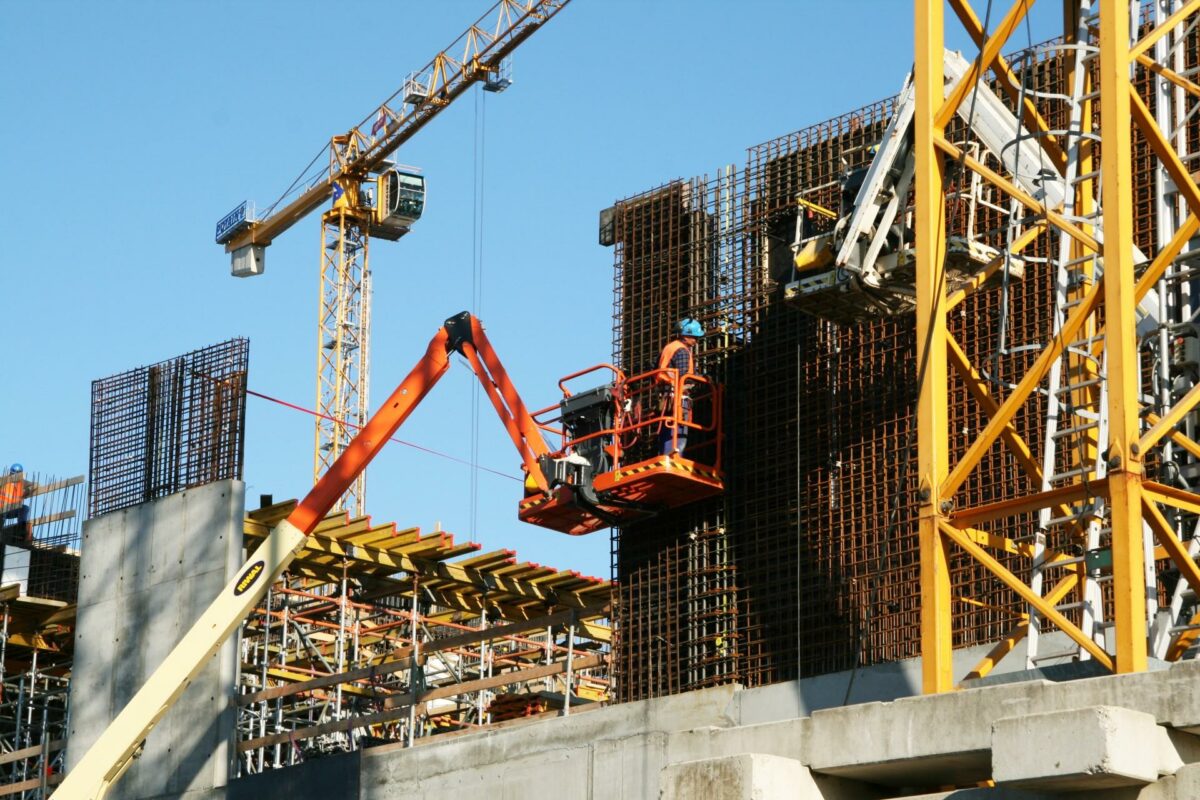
point(618, 752)
point(149, 571)
point(918, 739)
point(1082, 748)
point(876, 683)
point(746, 776)
point(146, 574)
point(854, 752)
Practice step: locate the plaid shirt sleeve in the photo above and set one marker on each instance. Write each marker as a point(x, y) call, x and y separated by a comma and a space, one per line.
point(680, 360)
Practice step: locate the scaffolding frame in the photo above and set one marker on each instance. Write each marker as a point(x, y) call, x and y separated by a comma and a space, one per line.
point(378, 635)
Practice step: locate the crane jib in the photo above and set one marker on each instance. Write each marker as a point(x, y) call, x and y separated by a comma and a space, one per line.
point(493, 37)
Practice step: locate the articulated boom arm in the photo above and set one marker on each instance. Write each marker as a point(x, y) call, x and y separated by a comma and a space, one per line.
point(113, 752)
point(467, 337)
point(476, 55)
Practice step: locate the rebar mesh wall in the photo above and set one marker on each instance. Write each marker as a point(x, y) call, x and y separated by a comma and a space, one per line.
point(160, 429)
point(809, 562)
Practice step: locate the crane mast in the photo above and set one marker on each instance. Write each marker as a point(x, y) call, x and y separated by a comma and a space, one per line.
point(372, 198)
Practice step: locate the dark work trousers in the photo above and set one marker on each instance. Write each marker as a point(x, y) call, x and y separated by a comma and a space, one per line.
point(665, 444)
point(16, 518)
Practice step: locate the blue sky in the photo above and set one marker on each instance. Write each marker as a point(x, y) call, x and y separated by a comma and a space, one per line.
point(129, 128)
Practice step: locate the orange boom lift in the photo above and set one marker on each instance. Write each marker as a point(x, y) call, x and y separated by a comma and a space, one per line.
point(587, 483)
point(585, 458)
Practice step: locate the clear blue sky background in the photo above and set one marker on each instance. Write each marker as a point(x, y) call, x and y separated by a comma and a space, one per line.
point(128, 128)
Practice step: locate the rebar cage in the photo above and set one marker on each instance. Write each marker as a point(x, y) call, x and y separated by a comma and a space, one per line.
point(163, 428)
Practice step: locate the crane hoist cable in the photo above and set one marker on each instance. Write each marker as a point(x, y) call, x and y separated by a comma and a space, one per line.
point(477, 196)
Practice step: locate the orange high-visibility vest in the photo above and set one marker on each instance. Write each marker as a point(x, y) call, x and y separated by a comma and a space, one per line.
point(12, 492)
point(668, 354)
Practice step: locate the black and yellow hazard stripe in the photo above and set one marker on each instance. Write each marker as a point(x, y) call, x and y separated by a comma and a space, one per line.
point(665, 463)
point(540, 500)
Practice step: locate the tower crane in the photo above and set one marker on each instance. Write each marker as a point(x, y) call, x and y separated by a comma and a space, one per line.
point(372, 198)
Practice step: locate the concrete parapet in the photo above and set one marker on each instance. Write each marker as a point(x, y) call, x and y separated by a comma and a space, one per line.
point(1085, 748)
point(947, 738)
point(617, 752)
point(746, 776)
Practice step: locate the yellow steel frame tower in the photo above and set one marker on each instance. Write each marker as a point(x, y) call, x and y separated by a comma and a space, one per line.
point(1107, 305)
point(343, 342)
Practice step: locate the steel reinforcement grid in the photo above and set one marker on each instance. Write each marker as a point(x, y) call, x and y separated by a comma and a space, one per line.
point(161, 429)
point(808, 564)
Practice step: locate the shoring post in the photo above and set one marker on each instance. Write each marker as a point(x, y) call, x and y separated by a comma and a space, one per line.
point(932, 419)
point(570, 665)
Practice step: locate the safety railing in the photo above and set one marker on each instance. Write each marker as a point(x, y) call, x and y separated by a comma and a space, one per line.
point(688, 405)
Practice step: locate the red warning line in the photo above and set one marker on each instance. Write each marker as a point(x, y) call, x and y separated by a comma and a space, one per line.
point(413, 445)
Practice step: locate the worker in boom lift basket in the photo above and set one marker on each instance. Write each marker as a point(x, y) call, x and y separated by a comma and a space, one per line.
point(679, 358)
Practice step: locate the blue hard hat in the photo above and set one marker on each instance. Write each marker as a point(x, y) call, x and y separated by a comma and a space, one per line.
point(689, 327)
point(15, 468)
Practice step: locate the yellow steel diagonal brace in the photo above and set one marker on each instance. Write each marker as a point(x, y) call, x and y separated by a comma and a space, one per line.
point(1028, 595)
point(985, 61)
point(1162, 30)
point(1011, 639)
point(1009, 81)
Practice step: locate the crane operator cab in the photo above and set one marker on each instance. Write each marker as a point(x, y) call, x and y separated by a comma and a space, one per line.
point(399, 201)
point(607, 470)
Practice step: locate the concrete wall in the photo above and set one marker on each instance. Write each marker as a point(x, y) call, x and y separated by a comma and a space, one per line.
point(1117, 737)
point(147, 573)
point(880, 683)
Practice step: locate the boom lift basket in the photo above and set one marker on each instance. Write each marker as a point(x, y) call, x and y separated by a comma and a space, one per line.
point(608, 470)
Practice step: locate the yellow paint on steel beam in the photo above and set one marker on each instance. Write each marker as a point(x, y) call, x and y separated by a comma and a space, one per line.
point(1028, 595)
point(1170, 542)
point(988, 53)
point(1170, 75)
point(978, 388)
point(992, 267)
point(1173, 417)
point(932, 416)
point(1016, 193)
point(1011, 639)
point(1165, 256)
point(1008, 82)
point(1169, 495)
point(1166, 153)
point(995, 541)
point(1125, 456)
point(1017, 397)
point(1157, 33)
point(1177, 437)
